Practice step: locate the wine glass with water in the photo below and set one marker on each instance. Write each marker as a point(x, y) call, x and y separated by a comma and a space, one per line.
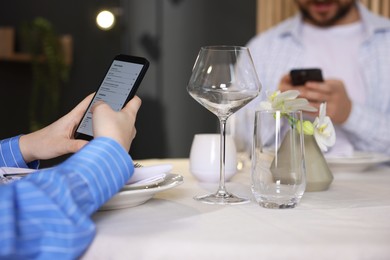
point(223, 80)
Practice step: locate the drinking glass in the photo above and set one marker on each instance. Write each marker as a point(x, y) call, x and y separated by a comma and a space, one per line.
point(223, 80)
point(278, 165)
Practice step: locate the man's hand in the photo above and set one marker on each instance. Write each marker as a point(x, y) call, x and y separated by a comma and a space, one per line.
point(330, 91)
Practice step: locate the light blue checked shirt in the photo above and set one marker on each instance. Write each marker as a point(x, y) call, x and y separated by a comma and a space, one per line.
point(280, 49)
point(46, 215)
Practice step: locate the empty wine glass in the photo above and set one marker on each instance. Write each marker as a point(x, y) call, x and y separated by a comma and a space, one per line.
point(223, 80)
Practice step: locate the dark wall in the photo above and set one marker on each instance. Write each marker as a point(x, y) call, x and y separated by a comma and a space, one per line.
point(179, 28)
point(167, 32)
point(92, 48)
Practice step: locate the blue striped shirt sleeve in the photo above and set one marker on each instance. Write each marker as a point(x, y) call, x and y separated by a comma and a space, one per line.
point(47, 214)
point(11, 156)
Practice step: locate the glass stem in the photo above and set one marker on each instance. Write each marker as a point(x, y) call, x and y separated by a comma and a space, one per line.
point(222, 189)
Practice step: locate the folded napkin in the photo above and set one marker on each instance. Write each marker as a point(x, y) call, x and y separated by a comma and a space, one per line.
point(149, 174)
point(10, 174)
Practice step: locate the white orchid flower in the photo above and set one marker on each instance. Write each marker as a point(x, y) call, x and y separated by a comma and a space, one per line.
point(322, 127)
point(324, 132)
point(286, 102)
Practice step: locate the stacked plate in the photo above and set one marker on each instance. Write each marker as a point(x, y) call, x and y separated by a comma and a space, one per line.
point(357, 162)
point(144, 184)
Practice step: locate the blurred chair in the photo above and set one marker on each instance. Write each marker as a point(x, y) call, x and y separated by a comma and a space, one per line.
point(271, 12)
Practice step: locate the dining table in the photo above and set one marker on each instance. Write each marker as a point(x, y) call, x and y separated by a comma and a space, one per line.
point(350, 220)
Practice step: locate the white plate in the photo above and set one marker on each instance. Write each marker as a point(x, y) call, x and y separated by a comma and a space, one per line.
point(134, 196)
point(148, 182)
point(357, 162)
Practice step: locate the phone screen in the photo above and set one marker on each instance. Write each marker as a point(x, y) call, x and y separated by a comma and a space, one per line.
point(117, 88)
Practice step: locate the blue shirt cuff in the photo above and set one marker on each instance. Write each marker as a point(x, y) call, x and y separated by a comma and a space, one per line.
point(11, 156)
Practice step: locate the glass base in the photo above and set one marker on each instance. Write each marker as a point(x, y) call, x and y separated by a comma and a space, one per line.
point(278, 203)
point(273, 205)
point(221, 198)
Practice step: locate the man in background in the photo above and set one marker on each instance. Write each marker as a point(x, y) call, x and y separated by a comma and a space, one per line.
point(351, 46)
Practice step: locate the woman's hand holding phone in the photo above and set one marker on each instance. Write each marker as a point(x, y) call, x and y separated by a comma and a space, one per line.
point(118, 86)
point(118, 125)
point(55, 139)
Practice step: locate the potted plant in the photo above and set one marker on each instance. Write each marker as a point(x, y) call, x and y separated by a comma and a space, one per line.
point(49, 70)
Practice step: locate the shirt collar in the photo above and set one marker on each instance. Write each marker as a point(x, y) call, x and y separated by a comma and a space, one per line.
point(372, 24)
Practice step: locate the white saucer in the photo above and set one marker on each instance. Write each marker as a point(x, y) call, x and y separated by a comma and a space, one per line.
point(357, 162)
point(134, 196)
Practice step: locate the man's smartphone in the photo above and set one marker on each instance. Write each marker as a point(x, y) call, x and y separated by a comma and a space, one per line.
point(300, 76)
point(119, 85)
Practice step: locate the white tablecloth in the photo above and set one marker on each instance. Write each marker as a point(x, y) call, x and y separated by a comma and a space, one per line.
point(349, 221)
